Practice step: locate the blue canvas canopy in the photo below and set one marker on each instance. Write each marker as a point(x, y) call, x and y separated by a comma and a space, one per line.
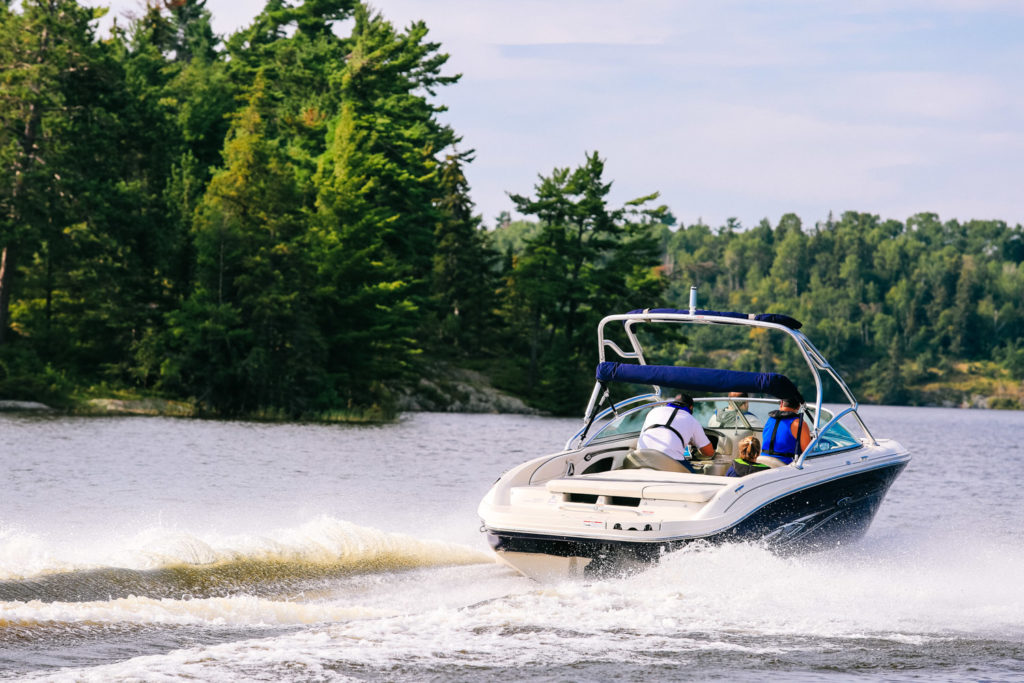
point(699, 379)
point(777, 318)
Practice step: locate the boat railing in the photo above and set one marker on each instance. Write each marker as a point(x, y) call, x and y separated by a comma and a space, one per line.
point(812, 357)
point(622, 354)
point(799, 463)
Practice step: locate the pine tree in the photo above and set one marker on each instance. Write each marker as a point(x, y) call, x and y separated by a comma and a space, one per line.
point(44, 49)
point(572, 271)
point(464, 277)
point(376, 185)
point(247, 338)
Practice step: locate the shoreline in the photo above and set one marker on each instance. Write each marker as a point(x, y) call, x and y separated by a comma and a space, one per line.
point(152, 407)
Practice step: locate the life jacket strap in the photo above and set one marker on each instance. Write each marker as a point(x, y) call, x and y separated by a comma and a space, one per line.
point(668, 425)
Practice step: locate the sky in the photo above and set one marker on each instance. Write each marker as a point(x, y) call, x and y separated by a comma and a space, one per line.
point(734, 108)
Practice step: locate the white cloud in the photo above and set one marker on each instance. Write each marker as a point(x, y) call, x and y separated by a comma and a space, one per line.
point(927, 95)
point(736, 107)
point(536, 22)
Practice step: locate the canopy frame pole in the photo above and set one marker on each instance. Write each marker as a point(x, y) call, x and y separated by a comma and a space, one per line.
point(815, 360)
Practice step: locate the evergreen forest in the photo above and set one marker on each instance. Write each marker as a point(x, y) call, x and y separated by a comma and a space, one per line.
point(278, 223)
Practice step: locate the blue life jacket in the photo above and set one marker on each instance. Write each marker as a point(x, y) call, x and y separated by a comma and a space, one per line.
point(680, 406)
point(778, 438)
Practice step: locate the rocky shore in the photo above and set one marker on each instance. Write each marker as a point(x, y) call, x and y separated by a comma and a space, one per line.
point(447, 390)
point(20, 406)
point(457, 390)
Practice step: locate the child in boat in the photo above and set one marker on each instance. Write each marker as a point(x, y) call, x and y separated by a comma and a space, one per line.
point(747, 463)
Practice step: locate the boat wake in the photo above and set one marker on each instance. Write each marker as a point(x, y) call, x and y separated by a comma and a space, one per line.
point(25, 617)
point(160, 563)
point(721, 608)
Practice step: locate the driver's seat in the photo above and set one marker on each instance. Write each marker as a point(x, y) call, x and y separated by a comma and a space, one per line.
point(648, 458)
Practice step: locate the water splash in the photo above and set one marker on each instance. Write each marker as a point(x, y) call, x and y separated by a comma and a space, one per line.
point(719, 609)
point(236, 611)
point(166, 563)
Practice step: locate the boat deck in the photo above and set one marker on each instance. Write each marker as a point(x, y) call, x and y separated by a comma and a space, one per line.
point(646, 484)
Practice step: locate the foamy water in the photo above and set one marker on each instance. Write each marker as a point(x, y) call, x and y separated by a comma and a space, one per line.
point(358, 557)
point(323, 544)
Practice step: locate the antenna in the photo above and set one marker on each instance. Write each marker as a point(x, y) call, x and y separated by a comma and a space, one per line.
point(693, 300)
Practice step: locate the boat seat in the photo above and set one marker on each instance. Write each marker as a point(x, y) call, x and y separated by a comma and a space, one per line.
point(691, 493)
point(652, 459)
point(625, 484)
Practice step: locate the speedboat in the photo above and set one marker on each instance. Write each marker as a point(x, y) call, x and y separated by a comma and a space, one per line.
point(599, 506)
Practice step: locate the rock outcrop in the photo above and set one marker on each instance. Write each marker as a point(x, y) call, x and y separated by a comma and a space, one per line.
point(457, 390)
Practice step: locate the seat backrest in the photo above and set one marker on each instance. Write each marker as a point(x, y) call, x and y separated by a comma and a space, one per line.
point(651, 459)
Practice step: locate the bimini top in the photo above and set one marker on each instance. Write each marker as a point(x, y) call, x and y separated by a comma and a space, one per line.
point(699, 379)
point(776, 318)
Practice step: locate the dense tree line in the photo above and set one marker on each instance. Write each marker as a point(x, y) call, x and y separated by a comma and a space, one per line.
point(279, 222)
point(891, 304)
point(251, 223)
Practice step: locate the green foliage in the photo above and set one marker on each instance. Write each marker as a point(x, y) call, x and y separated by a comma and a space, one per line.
point(583, 261)
point(280, 225)
point(80, 268)
point(465, 273)
point(269, 252)
point(25, 377)
point(874, 296)
point(1004, 403)
point(253, 280)
point(377, 186)
point(510, 238)
point(50, 61)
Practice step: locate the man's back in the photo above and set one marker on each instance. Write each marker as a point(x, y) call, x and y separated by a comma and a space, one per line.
point(669, 428)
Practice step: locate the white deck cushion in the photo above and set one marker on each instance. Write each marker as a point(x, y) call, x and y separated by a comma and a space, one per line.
point(692, 493)
point(681, 486)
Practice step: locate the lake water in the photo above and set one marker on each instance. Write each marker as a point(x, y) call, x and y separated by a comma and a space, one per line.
point(164, 549)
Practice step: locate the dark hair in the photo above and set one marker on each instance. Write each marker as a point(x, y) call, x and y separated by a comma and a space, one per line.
point(791, 402)
point(684, 400)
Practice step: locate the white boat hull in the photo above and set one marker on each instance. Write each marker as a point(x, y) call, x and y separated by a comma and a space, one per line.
point(554, 529)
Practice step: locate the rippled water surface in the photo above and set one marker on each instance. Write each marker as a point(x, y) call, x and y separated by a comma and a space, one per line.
point(163, 549)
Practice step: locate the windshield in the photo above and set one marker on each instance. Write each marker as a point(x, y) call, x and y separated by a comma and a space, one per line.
point(721, 414)
point(626, 424)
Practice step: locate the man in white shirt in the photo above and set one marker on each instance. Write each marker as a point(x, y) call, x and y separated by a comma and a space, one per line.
point(671, 427)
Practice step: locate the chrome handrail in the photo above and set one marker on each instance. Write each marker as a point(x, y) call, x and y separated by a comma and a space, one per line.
point(816, 363)
point(799, 462)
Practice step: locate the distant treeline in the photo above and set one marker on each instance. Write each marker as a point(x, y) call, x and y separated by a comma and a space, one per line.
point(892, 305)
point(278, 223)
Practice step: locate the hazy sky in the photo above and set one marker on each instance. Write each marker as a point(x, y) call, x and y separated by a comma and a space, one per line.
point(736, 108)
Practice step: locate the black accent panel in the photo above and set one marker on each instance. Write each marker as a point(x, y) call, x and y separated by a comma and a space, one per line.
point(602, 465)
point(582, 498)
point(593, 454)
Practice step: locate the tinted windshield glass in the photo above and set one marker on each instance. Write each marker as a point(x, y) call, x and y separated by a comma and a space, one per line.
point(734, 414)
point(845, 433)
point(625, 424)
point(718, 414)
